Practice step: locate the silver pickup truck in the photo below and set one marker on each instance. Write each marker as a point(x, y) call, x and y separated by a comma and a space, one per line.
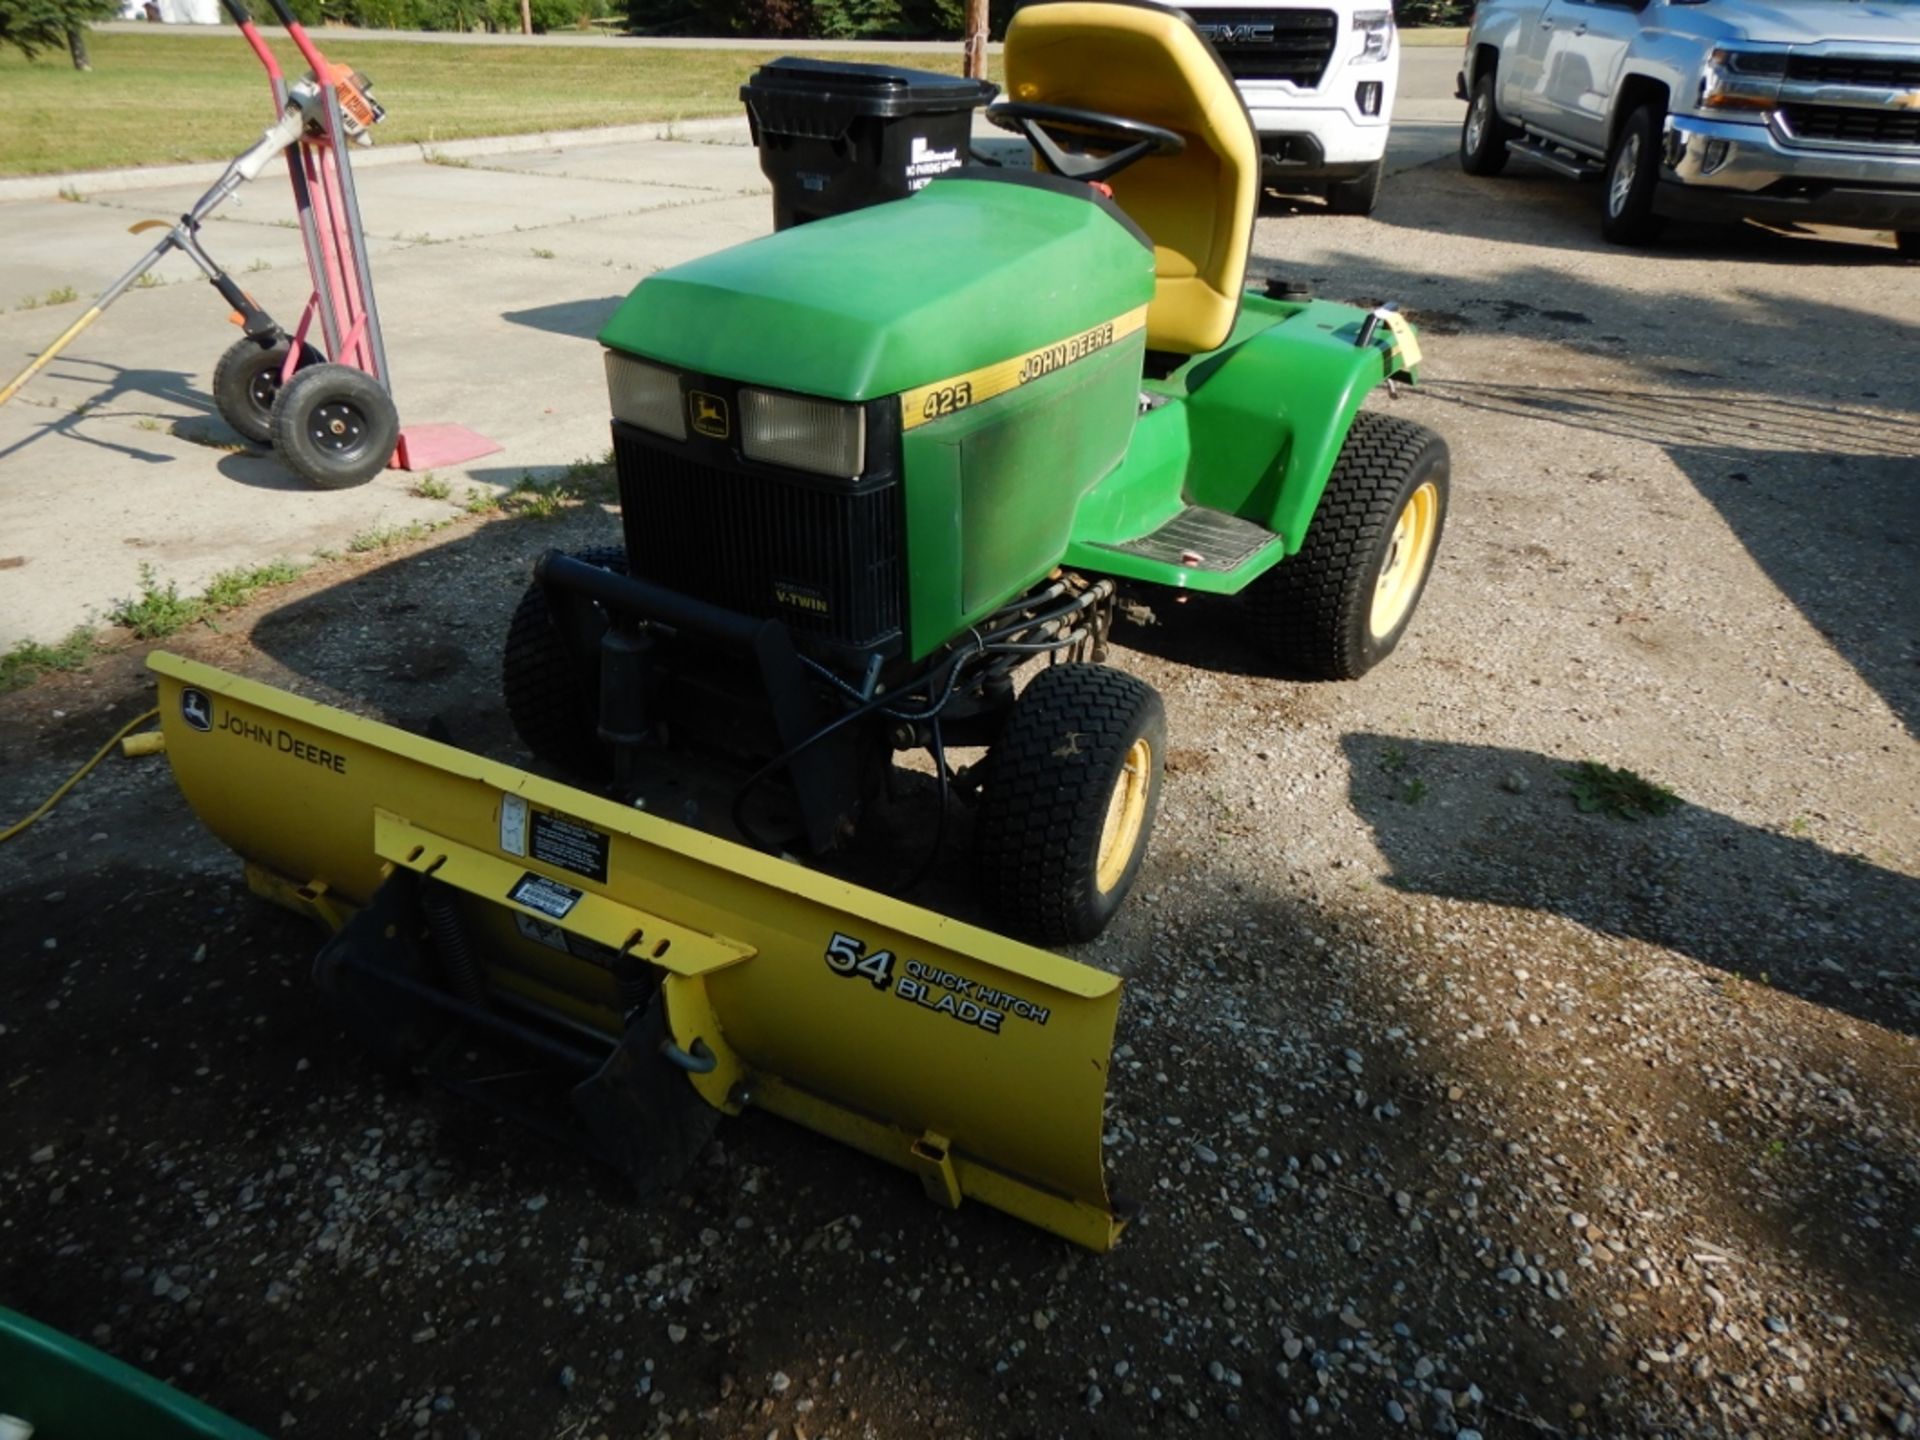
point(1779, 110)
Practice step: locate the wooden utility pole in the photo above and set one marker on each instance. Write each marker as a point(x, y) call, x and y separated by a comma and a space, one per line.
point(976, 51)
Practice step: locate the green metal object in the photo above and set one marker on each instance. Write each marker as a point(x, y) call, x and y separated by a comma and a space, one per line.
point(882, 300)
point(1251, 429)
point(70, 1391)
point(1064, 470)
point(896, 299)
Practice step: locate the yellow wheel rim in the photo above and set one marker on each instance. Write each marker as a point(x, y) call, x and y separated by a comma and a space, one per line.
point(1409, 549)
point(1126, 814)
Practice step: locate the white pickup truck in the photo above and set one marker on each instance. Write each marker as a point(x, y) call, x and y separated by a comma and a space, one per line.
point(1778, 110)
point(1318, 77)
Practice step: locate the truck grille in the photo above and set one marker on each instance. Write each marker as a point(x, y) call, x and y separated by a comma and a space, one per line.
point(1272, 44)
point(825, 557)
point(1845, 125)
point(1899, 74)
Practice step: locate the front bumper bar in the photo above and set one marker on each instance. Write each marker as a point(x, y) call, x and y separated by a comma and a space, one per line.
point(1719, 169)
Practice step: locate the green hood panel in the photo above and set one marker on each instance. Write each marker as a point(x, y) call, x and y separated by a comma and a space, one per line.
point(872, 303)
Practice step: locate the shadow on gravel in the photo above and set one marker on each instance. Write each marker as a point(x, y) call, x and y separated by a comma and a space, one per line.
point(1806, 448)
point(1821, 495)
point(1498, 826)
point(1538, 207)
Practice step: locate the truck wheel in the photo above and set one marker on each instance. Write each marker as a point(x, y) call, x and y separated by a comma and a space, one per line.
point(1358, 194)
point(1484, 135)
point(1337, 609)
point(552, 699)
point(334, 426)
point(1068, 801)
point(247, 378)
point(1907, 242)
point(1633, 170)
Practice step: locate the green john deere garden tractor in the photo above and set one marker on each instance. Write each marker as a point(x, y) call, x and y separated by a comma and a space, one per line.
point(872, 466)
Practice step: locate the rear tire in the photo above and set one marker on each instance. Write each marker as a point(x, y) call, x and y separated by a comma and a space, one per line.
point(1068, 801)
point(552, 699)
point(334, 426)
point(1633, 172)
point(1338, 608)
point(247, 379)
point(1358, 194)
point(1483, 134)
point(1907, 242)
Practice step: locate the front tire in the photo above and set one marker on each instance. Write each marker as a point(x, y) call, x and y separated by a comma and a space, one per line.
point(334, 426)
point(1068, 801)
point(553, 698)
point(246, 382)
point(1483, 134)
point(1633, 171)
point(1907, 242)
point(1340, 606)
point(1358, 194)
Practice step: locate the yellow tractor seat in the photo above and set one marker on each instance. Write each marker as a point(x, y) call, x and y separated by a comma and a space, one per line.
point(1147, 63)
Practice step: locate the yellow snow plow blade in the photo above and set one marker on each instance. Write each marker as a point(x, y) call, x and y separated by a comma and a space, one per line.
point(976, 1062)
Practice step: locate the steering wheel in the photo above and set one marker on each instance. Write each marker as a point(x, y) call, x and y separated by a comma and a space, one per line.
point(1124, 140)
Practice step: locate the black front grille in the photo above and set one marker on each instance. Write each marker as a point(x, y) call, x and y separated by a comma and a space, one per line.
point(1272, 44)
point(823, 556)
point(1845, 125)
point(1854, 70)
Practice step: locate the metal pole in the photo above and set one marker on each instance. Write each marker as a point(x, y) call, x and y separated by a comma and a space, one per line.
point(976, 48)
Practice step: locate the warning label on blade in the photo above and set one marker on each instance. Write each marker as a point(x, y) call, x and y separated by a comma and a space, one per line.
point(565, 941)
point(549, 897)
point(569, 844)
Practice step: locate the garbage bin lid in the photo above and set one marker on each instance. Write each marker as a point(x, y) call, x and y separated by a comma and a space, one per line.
point(881, 90)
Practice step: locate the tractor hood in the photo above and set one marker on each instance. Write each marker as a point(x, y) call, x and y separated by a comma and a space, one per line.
point(970, 271)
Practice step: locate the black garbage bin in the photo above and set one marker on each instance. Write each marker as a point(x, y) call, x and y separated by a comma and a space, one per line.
point(836, 136)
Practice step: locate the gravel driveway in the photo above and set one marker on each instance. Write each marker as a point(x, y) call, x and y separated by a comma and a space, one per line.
point(1453, 1110)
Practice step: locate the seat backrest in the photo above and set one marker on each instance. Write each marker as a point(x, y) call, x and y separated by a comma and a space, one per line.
point(1145, 62)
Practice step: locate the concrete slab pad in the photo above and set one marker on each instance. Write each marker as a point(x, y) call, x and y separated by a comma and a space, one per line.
point(730, 169)
point(434, 202)
point(106, 465)
point(631, 247)
point(88, 245)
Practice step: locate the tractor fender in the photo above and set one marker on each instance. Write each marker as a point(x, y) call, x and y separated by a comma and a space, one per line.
point(1270, 418)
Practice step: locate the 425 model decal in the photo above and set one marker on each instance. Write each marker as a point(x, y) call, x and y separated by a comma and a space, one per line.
point(930, 987)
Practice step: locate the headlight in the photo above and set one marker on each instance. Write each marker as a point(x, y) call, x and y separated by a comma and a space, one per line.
point(1376, 33)
point(1742, 80)
point(645, 395)
point(807, 434)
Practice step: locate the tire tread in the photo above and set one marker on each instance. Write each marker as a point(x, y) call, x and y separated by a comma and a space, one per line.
point(1045, 801)
point(551, 703)
point(1309, 611)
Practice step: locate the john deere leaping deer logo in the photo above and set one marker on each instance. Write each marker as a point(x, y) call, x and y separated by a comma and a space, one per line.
point(709, 414)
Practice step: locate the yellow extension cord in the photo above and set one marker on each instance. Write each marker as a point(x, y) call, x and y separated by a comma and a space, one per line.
point(81, 774)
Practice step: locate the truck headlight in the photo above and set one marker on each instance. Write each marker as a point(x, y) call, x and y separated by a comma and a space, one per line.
point(803, 433)
point(1376, 34)
point(645, 395)
point(1742, 80)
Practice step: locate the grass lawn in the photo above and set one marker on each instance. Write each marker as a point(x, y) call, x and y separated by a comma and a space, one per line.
point(154, 100)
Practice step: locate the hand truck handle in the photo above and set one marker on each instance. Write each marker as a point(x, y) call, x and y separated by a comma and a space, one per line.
point(253, 37)
point(300, 38)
